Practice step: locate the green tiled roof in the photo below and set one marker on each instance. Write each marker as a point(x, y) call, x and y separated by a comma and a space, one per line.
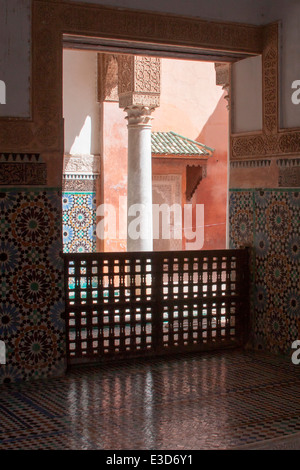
point(170, 143)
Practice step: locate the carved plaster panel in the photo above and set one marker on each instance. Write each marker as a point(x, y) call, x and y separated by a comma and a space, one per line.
point(289, 178)
point(289, 173)
point(139, 81)
point(147, 74)
point(107, 77)
point(80, 183)
point(22, 169)
point(80, 164)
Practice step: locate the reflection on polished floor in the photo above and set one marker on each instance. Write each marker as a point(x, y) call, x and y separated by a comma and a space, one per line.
point(217, 400)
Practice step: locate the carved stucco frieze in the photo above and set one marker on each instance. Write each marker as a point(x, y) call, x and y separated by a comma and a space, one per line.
point(168, 29)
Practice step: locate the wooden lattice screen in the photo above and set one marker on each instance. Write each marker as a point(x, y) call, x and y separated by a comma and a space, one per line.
point(133, 304)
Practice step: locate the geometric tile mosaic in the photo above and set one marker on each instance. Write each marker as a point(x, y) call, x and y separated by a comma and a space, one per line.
point(215, 400)
point(269, 221)
point(31, 298)
point(79, 222)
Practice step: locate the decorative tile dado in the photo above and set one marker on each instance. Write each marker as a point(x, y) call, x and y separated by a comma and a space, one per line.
point(22, 169)
point(241, 219)
point(31, 296)
point(79, 222)
point(268, 220)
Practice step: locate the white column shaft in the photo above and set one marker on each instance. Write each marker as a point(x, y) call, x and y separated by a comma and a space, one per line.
point(139, 192)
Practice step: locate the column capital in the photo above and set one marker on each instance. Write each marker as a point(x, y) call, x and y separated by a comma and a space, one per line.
point(139, 115)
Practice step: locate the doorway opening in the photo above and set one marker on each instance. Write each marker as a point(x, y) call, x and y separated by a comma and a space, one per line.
point(189, 150)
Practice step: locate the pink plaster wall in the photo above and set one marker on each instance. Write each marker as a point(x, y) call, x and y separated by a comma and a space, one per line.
point(113, 166)
point(212, 191)
point(193, 106)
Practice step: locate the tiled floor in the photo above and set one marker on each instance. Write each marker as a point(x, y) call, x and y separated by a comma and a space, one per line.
point(217, 400)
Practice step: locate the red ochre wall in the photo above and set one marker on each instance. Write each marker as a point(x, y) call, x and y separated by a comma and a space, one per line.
point(193, 106)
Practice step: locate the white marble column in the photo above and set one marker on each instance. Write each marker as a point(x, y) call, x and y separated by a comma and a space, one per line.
point(139, 94)
point(139, 192)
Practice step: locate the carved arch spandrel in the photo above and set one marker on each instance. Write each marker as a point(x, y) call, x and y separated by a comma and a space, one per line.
point(52, 18)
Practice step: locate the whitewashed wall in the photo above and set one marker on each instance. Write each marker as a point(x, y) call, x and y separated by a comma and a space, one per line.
point(80, 107)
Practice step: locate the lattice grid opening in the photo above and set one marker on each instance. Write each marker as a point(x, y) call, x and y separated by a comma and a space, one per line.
point(121, 304)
